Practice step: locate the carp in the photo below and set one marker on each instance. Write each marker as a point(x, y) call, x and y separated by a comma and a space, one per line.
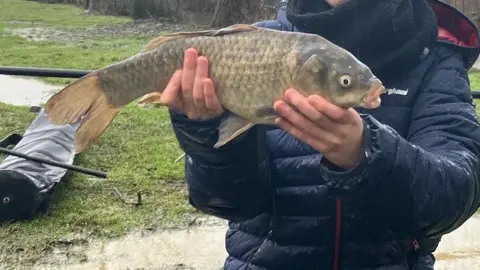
point(250, 67)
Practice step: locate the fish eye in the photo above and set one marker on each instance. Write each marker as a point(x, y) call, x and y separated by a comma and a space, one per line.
point(345, 81)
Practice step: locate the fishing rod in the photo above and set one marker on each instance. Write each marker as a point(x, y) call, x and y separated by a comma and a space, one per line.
point(54, 163)
point(73, 73)
point(43, 72)
point(14, 138)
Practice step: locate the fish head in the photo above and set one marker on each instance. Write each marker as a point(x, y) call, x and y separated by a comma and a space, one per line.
point(337, 75)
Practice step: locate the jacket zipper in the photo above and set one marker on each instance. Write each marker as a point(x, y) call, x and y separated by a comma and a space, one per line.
point(338, 231)
point(415, 246)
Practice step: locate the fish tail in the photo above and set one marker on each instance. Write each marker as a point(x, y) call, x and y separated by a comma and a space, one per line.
point(82, 100)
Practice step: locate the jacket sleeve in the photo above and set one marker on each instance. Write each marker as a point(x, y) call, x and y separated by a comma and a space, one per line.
point(433, 173)
point(231, 182)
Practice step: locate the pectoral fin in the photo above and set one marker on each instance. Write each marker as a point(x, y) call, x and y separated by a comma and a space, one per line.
point(266, 115)
point(230, 128)
point(153, 98)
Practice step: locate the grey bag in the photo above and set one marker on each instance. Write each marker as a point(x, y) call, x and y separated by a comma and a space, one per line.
point(26, 187)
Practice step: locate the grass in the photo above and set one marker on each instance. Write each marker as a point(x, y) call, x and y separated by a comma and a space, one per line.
point(79, 53)
point(21, 13)
point(138, 150)
point(475, 80)
point(475, 84)
point(84, 55)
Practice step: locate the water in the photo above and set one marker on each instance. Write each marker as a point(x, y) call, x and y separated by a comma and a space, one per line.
point(203, 248)
point(196, 248)
point(24, 91)
point(461, 248)
point(200, 247)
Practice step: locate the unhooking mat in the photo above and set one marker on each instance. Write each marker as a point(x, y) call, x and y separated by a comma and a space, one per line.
point(26, 187)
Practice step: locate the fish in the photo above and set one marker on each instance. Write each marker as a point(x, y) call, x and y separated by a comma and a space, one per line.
point(250, 66)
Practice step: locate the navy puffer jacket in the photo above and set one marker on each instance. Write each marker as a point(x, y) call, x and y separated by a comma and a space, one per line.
point(418, 180)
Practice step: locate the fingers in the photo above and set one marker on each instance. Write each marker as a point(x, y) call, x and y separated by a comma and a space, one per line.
point(312, 113)
point(332, 111)
point(301, 122)
point(308, 124)
point(188, 79)
point(170, 96)
point(300, 127)
point(211, 100)
point(301, 135)
point(198, 100)
point(189, 69)
point(198, 87)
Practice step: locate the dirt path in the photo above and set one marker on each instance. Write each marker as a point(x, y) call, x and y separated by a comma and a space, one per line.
point(200, 247)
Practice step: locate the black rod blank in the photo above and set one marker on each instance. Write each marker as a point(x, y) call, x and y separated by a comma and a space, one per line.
point(54, 163)
point(43, 72)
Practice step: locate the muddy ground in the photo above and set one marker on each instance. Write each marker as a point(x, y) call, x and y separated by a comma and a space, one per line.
point(137, 28)
point(198, 247)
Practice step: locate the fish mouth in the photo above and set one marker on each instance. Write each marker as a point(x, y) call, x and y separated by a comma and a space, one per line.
point(372, 99)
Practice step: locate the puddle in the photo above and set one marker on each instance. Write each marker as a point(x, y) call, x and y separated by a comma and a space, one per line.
point(25, 91)
point(461, 248)
point(203, 248)
point(140, 28)
point(200, 247)
point(37, 34)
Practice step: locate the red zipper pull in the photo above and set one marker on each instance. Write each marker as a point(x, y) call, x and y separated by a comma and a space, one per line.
point(415, 244)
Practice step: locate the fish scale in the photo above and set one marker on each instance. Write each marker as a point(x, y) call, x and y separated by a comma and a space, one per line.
point(251, 68)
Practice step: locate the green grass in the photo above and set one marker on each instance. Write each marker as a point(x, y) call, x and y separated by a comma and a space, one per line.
point(475, 84)
point(20, 13)
point(77, 53)
point(138, 150)
point(475, 80)
point(84, 54)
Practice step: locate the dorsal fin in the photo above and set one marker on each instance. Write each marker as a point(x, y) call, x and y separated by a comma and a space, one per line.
point(236, 28)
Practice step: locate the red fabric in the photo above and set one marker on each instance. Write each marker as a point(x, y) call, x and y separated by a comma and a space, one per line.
point(338, 233)
point(445, 35)
point(454, 27)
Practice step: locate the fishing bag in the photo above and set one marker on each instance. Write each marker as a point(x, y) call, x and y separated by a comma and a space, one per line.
point(26, 187)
